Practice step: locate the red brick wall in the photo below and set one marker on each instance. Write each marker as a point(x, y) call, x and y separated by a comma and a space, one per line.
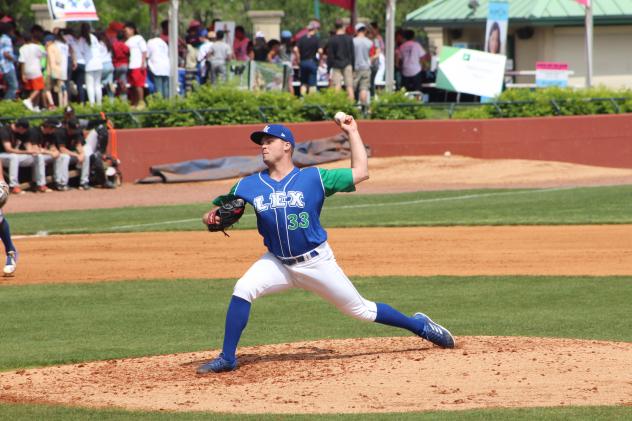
point(593, 140)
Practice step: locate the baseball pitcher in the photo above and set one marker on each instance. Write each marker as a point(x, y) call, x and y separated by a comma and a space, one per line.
point(288, 201)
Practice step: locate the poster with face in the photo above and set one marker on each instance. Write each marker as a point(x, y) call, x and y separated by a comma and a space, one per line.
point(496, 30)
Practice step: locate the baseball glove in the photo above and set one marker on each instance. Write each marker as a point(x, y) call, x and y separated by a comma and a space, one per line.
point(4, 193)
point(229, 213)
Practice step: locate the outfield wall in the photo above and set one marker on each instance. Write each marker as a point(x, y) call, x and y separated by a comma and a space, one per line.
point(594, 140)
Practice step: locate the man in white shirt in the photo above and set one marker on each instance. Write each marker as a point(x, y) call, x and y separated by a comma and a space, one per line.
point(204, 53)
point(158, 61)
point(137, 74)
point(412, 56)
point(221, 53)
point(30, 61)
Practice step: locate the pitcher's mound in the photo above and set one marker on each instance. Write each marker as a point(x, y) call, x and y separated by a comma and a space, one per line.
point(346, 376)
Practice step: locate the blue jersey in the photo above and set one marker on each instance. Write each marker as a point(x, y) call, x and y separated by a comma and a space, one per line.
point(288, 211)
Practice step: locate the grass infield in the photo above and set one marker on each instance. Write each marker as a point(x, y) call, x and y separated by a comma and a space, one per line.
point(586, 205)
point(65, 323)
point(54, 413)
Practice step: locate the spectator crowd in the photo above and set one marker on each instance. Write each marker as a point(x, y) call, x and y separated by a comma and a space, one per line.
point(50, 69)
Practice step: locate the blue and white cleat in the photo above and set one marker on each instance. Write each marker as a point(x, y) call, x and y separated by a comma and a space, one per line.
point(11, 263)
point(217, 365)
point(434, 332)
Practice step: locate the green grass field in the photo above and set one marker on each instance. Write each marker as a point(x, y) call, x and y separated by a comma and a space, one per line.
point(64, 323)
point(591, 205)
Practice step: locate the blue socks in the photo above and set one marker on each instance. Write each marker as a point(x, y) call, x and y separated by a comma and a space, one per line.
point(387, 315)
point(5, 235)
point(236, 321)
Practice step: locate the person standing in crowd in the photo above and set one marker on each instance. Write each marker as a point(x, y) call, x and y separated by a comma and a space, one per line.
point(7, 61)
point(260, 47)
point(399, 40)
point(221, 54)
point(203, 54)
point(378, 59)
point(31, 70)
point(362, 71)
point(274, 51)
point(340, 59)
point(306, 50)
point(158, 62)
point(52, 54)
point(15, 151)
point(78, 65)
point(120, 60)
point(285, 52)
point(137, 64)
point(58, 59)
point(240, 45)
point(107, 73)
point(88, 44)
point(412, 56)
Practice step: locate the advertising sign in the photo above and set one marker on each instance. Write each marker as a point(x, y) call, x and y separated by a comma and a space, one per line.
point(72, 10)
point(471, 71)
point(551, 74)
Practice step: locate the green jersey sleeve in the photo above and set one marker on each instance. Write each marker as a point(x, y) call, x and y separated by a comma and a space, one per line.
point(338, 180)
point(226, 197)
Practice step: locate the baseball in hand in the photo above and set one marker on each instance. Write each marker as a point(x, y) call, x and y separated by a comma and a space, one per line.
point(340, 117)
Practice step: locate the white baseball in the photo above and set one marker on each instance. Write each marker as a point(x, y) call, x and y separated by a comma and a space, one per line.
point(340, 117)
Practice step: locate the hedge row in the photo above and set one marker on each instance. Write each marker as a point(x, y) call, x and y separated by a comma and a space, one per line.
point(214, 106)
point(551, 102)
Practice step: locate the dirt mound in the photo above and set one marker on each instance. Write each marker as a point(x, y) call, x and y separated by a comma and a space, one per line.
point(347, 376)
point(388, 175)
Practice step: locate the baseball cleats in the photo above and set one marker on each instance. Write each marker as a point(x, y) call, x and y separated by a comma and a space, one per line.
point(434, 332)
point(11, 264)
point(218, 365)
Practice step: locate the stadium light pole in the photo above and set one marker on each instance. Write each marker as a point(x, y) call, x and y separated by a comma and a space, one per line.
point(173, 47)
point(390, 45)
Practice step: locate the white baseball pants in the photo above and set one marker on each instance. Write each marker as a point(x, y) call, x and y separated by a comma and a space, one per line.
point(14, 161)
point(320, 275)
point(60, 172)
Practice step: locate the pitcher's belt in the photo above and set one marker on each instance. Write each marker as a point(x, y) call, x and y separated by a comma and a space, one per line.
point(298, 259)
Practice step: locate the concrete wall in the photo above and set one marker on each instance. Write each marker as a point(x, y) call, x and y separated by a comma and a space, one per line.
point(593, 140)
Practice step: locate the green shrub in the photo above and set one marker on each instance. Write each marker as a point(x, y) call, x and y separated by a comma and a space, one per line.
point(472, 112)
point(226, 105)
point(561, 101)
point(283, 107)
point(324, 104)
point(174, 117)
point(397, 106)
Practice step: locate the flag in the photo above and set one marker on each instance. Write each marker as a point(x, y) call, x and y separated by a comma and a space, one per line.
point(345, 4)
point(584, 2)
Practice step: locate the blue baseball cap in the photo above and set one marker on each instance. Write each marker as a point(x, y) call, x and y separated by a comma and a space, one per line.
point(274, 130)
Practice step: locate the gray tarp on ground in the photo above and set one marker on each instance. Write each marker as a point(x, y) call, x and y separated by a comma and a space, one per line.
point(306, 154)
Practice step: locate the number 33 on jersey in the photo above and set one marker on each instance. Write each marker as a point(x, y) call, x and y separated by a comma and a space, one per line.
point(288, 210)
